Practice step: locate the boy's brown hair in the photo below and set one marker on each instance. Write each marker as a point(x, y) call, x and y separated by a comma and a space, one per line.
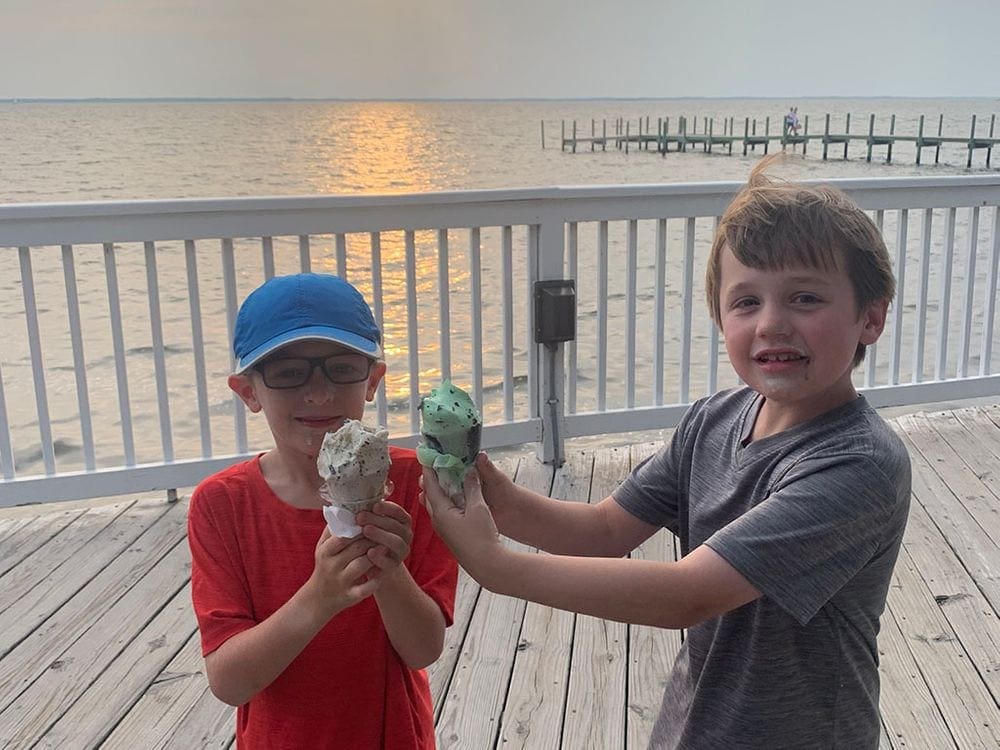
point(772, 225)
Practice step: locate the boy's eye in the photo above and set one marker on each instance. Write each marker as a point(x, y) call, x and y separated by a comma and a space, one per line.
point(744, 302)
point(347, 368)
point(806, 298)
point(287, 370)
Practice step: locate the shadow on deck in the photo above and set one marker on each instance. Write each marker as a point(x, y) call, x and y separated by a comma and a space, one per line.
point(98, 645)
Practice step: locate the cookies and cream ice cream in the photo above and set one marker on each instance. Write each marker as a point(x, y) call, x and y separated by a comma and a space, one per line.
point(451, 427)
point(354, 464)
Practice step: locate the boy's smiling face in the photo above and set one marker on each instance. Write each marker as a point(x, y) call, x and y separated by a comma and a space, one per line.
point(791, 335)
point(299, 417)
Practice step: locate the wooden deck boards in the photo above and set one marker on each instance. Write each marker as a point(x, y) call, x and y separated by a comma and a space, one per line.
point(98, 645)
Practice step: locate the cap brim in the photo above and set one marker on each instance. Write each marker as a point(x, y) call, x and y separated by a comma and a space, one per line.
point(322, 333)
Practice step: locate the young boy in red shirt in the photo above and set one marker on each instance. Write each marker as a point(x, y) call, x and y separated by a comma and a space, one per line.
point(320, 641)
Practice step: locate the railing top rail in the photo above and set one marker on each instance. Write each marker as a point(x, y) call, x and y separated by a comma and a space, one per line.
point(196, 218)
point(86, 209)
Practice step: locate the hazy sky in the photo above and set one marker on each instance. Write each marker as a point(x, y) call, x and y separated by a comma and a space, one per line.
point(501, 49)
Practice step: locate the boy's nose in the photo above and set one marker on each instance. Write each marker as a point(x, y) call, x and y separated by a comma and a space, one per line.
point(318, 389)
point(772, 321)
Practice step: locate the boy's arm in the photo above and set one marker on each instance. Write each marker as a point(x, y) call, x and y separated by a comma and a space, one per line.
point(558, 526)
point(675, 594)
point(413, 620)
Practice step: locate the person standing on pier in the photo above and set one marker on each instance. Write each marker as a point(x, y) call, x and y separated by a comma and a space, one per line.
point(789, 496)
point(320, 641)
point(792, 121)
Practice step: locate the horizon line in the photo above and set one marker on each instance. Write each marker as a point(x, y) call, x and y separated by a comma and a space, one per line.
point(124, 99)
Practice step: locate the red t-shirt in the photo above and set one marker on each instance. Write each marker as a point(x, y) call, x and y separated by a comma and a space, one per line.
point(348, 688)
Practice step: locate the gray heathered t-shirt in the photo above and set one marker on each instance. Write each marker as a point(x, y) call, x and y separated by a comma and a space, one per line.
point(813, 517)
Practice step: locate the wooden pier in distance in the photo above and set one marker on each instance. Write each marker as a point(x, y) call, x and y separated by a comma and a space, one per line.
point(759, 133)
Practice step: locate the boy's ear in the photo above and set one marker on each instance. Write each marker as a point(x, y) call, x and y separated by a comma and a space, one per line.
point(874, 319)
point(374, 378)
point(243, 386)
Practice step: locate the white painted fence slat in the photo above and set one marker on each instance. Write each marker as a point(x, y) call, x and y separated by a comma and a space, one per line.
point(944, 303)
point(37, 371)
point(687, 297)
point(79, 361)
point(305, 262)
point(902, 227)
point(412, 340)
point(630, 311)
point(198, 343)
point(660, 300)
point(989, 303)
point(267, 255)
point(920, 330)
point(476, 313)
point(340, 242)
point(444, 305)
point(159, 361)
point(572, 271)
point(507, 253)
point(970, 289)
point(375, 242)
point(118, 340)
point(232, 306)
point(602, 315)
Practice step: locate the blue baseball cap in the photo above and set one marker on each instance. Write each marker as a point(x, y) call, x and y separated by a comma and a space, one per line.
point(300, 307)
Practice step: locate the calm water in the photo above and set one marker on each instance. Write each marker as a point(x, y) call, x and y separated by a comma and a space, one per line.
point(138, 150)
point(97, 151)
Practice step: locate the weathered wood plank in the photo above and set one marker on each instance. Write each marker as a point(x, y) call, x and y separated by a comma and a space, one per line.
point(595, 703)
point(948, 463)
point(32, 535)
point(22, 616)
point(972, 717)
point(534, 714)
point(45, 644)
point(125, 650)
point(966, 538)
point(171, 705)
point(911, 717)
point(64, 546)
point(651, 650)
point(957, 594)
point(439, 673)
point(473, 706)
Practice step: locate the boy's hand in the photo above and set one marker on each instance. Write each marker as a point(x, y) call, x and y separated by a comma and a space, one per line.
point(470, 532)
point(495, 486)
point(339, 577)
point(389, 528)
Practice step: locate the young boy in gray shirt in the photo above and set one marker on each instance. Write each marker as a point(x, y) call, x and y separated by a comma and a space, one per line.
point(789, 496)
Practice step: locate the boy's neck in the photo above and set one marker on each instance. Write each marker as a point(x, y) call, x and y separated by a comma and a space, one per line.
point(774, 418)
point(293, 478)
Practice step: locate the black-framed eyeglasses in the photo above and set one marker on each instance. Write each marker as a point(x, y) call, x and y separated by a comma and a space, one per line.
point(294, 372)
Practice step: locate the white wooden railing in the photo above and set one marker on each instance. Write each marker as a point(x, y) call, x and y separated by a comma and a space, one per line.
point(116, 317)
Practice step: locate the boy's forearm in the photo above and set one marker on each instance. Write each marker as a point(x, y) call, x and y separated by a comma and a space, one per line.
point(635, 591)
point(562, 527)
point(413, 621)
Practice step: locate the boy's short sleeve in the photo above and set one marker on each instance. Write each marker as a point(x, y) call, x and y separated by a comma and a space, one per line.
point(823, 522)
point(219, 592)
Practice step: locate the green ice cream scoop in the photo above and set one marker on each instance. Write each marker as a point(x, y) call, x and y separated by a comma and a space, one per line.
point(451, 427)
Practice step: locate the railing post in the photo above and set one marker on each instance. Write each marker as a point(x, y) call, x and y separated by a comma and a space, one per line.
point(549, 397)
